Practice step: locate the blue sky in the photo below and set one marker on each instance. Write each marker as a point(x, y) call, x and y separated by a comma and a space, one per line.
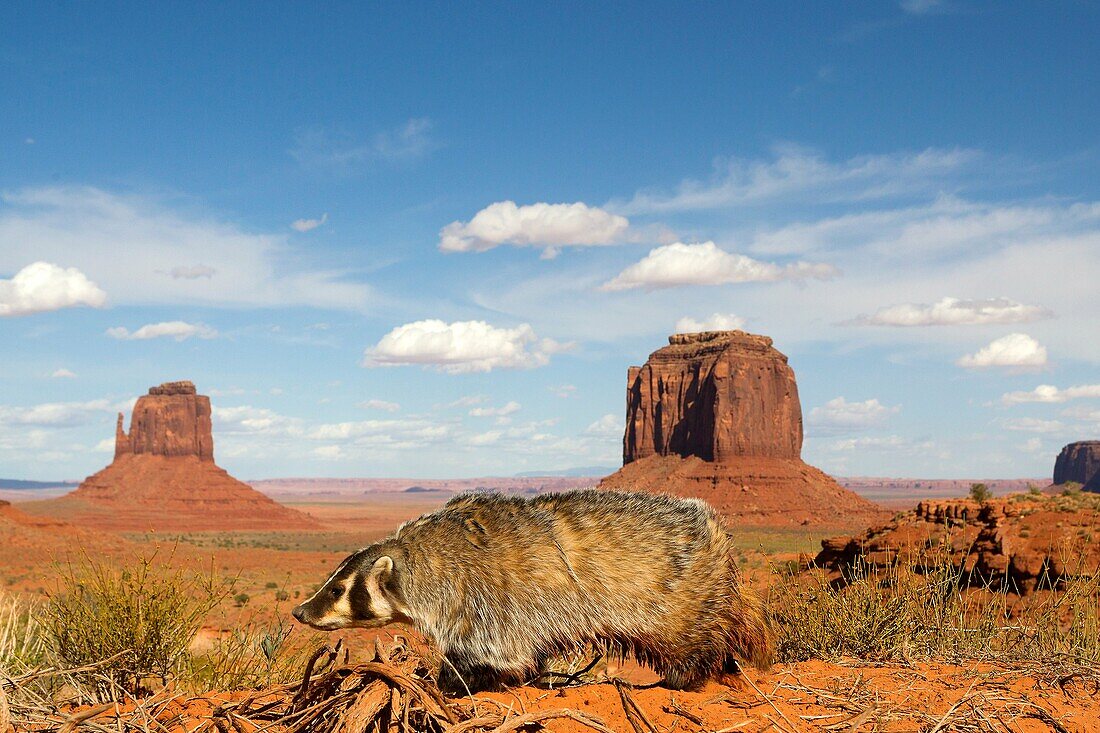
point(428, 239)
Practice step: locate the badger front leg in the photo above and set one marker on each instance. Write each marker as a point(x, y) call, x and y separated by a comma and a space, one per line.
point(459, 675)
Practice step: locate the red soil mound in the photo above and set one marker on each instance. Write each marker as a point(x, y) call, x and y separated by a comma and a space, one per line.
point(164, 477)
point(716, 415)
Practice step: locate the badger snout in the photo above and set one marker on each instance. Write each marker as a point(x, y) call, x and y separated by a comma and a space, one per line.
point(299, 613)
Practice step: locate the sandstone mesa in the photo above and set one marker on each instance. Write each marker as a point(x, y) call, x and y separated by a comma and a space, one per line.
point(716, 415)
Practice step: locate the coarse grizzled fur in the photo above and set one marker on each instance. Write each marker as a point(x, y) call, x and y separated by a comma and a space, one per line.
point(501, 584)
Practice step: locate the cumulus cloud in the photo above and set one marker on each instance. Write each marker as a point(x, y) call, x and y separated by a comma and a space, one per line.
point(1050, 393)
point(179, 330)
point(954, 312)
point(463, 346)
point(607, 427)
point(44, 286)
point(838, 414)
point(194, 272)
point(799, 173)
point(715, 322)
point(63, 374)
point(307, 225)
point(1013, 350)
point(547, 226)
point(382, 405)
point(563, 391)
point(502, 411)
point(678, 264)
point(126, 244)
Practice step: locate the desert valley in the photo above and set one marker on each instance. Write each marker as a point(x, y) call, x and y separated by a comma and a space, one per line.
point(505, 367)
point(713, 415)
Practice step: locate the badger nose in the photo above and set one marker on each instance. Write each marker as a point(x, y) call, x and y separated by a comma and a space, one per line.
point(299, 613)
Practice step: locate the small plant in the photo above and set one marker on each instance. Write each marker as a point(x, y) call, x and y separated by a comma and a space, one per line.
point(1034, 490)
point(271, 585)
point(259, 653)
point(281, 595)
point(980, 492)
point(132, 623)
point(242, 599)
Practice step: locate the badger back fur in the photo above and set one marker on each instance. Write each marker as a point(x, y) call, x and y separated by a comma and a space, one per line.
point(501, 584)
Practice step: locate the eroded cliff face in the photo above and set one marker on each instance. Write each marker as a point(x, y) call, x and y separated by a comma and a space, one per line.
point(1080, 463)
point(717, 395)
point(1020, 543)
point(716, 415)
point(172, 420)
point(164, 477)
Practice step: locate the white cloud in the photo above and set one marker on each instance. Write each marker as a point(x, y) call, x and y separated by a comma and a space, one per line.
point(463, 346)
point(44, 286)
point(548, 226)
point(716, 322)
point(328, 452)
point(57, 414)
point(1050, 393)
point(319, 148)
point(563, 391)
point(306, 225)
point(193, 272)
point(838, 414)
point(1034, 425)
point(880, 442)
point(677, 264)
point(382, 405)
point(63, 374)
point(609, 426)
point(955, 312)
point(179, 330)
point(126, 244)
point(502, 411)
point(1013, 350)
point(796, 172)
point(468, 401)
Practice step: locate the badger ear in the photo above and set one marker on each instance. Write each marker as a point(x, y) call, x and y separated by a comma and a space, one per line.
point(382, 567)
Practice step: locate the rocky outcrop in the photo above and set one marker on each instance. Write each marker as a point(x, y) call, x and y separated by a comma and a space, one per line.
point(1079, 463)
point(172, 420)
point(1019, 543)
point(717, 395)
point(716, 415)
point(164, 477)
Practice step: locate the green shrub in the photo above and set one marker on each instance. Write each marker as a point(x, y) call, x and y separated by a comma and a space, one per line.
point(242, 599)
point(980, 492)
point(135, 622)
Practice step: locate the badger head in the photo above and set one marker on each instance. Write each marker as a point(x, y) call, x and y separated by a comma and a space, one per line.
point(361, 592)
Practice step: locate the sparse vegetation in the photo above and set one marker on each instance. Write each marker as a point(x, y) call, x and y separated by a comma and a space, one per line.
point(900, 615)
point(140, 617)
point(980, 492)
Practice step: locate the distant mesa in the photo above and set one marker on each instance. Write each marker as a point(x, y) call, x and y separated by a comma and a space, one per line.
point(716, 415)
point(164, 478)
point(1079, 463)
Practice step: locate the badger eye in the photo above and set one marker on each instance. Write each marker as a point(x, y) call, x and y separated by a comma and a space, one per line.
point(337, 591)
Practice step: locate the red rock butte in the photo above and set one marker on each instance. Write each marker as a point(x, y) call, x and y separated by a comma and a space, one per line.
point(716, 415)
point(164, 478)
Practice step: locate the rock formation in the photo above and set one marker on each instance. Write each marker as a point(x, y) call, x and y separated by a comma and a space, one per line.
point(716, 415)
point(164, 478)
point(1021, 542)
point(1079, 463)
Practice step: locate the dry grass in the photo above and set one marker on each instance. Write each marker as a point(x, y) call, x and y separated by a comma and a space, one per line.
point(144, 616)
point(901, 616)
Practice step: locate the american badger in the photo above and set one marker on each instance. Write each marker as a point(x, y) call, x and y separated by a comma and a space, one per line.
point(501, 584)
